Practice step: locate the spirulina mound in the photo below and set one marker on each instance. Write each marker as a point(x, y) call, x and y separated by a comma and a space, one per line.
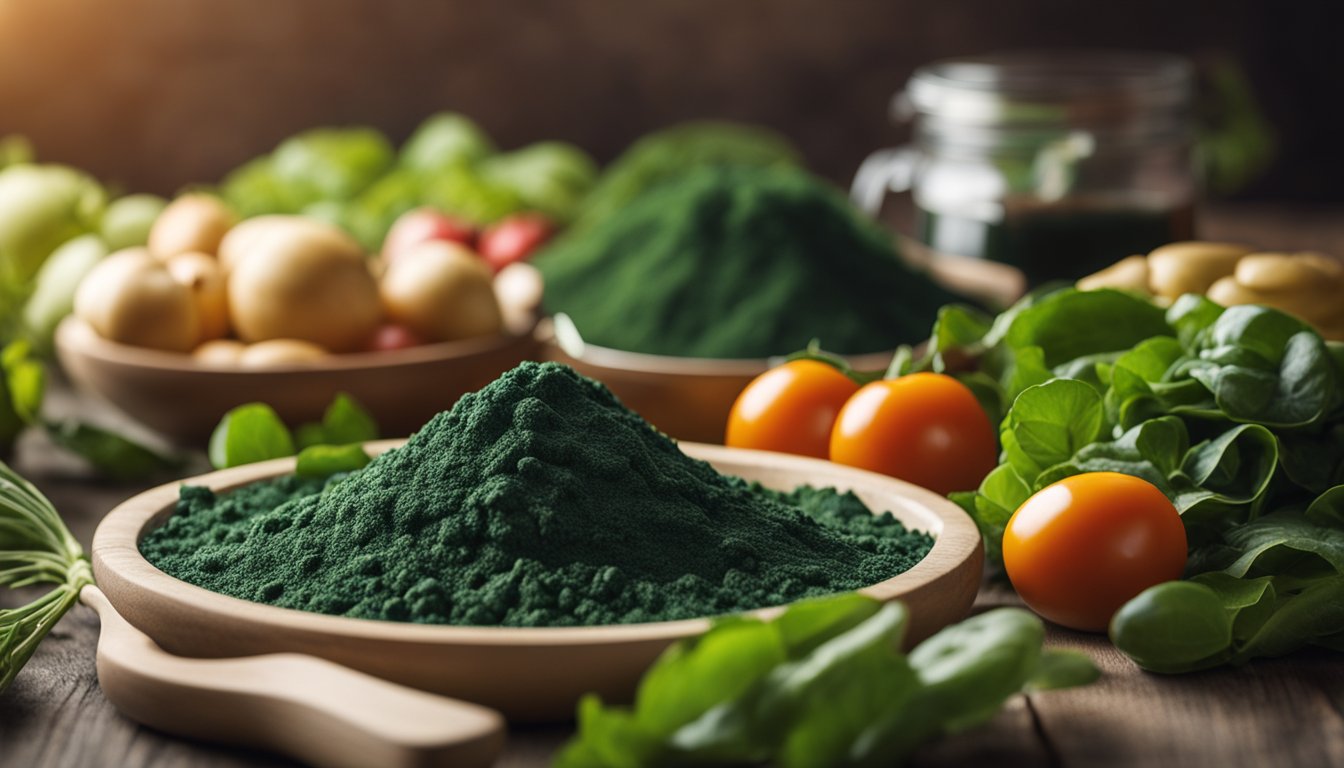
point(739, 262)
point(538, 501)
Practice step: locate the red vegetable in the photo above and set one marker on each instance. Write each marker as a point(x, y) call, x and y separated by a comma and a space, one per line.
point(424, 224)
point(514, 239)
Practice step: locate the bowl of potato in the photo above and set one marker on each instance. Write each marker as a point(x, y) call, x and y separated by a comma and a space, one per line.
point(290, 311)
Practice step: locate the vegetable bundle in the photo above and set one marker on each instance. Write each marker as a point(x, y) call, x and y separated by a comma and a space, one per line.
point(1236, 414)
point(825, 684)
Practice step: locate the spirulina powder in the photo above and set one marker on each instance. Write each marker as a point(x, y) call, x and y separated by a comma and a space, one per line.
point(538, 501)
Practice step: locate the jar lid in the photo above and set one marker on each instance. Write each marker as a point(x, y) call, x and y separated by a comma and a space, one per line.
point(1037, 88)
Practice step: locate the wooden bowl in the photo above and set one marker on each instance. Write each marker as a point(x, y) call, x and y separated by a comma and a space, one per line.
point(688, 398)
point(528, 674)
point(184, 399)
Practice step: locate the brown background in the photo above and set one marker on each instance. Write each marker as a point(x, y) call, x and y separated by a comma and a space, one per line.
point(156, 93)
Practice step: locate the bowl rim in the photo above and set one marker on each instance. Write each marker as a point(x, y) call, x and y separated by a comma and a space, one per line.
point(117, 561)
point(75, 336)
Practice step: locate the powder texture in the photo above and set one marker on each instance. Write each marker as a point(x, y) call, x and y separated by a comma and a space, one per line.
point(538, 501)
point(739, 262)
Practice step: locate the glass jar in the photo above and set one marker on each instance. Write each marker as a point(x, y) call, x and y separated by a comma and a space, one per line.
point(1056, 163)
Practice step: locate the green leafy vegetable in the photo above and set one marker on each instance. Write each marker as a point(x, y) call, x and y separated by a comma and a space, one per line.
point(35, 548)
point(343, 422)
point(327, 460)
point(248, 434)
point(254, 432)
point(1236, 414)
point(824, 684)
point(443, 141)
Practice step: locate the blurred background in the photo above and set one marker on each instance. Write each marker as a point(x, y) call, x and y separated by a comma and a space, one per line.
point(153, 94)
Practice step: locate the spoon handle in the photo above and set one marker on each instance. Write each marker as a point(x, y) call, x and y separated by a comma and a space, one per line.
point(308, 708)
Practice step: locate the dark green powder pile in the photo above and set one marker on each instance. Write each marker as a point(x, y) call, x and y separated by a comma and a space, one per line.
point(538, 501)
point(738, 262)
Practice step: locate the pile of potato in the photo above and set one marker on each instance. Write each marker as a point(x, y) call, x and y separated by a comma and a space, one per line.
point(1308, 285)
point(275, 290)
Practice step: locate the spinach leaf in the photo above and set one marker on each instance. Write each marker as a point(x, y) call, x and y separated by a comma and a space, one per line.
point(327, 460)
point(1049, 423)
point(248, 434)
point(1070, 324)
point(824, 684)
point(1265, 367)
point(343, 422)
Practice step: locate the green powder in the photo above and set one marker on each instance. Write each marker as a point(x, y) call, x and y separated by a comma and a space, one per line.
point(538, 501)
point(739, 262)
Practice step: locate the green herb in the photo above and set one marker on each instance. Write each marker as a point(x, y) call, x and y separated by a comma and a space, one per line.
point(1236, 414)
point(35, 548)
point(254, 432)
point(825, 684)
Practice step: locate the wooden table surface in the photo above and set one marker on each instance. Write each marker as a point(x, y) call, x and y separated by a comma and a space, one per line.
point(1287, 712)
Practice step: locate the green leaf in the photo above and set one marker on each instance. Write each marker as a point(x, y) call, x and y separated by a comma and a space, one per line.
point(1070, 324)
point(1062, 669)
point(1327, 510)
point(1190, 315)
point(1178, 626)
point(1266, 367)
point(1049, 423)
point(327, 460)
point(1285, 543)
point(343, 422)
point(108, 452)
point(248, 434)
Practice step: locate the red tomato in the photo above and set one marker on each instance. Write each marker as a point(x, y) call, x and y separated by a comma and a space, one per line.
point(925, 428)
point(790, 409)
point(392, 336)
point(424, 224)
point(514, 239)
point(1082, 547)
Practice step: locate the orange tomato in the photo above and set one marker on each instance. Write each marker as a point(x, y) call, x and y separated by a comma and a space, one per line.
point(790, 408)
point(925, 428)
point(1082, 547)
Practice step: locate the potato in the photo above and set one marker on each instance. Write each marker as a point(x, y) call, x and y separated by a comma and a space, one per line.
point(203, 275)
point(278, 352)
point(192, 222)
point(222, 352)
point(441, 291)
point(1191, 267)
point(130, 298)
point(1287, 271)
point(1130, 274)
point(300, 280)
point(267, 234)
point(1228, 292)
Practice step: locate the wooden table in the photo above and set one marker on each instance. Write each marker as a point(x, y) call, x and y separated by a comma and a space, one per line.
point(1287, 712)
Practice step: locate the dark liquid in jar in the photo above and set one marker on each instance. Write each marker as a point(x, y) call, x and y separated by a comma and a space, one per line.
point(1058, 242)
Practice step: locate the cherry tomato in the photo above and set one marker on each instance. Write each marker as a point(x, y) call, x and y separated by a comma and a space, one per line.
point(925, 428)
point(790, 408)
point(1082, 547)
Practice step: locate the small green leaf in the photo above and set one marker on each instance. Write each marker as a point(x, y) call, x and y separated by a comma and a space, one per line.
point(327, 460)
point(248, 434)
point(344, 422)
point(109, 453)
point(1178, 626)
point(1062, 669)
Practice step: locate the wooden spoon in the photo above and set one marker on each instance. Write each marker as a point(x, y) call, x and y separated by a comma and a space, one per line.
point(308, 708)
